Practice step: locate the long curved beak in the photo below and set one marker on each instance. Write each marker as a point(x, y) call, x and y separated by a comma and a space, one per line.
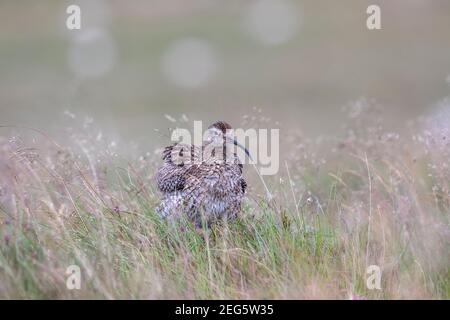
point(236, 143)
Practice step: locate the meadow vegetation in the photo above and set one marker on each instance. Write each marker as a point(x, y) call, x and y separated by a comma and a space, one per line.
point(340, 204)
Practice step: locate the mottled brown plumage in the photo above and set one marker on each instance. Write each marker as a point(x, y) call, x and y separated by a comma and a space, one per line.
point(207, 183)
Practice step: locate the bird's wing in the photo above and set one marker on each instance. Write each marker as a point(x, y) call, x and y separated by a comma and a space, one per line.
point(214, 179)
point(178, 159)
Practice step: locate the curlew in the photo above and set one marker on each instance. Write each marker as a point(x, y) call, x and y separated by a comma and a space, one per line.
point(202, 182)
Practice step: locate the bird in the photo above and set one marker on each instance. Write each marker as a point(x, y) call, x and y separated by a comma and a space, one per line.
point(207, 185)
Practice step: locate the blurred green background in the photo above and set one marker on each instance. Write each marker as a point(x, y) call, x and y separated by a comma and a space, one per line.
point(300, 61)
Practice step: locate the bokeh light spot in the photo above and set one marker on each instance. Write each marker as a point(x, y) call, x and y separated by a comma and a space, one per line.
point(439, 123)
point(189, 63)
point(272, 22)
point(92, 53)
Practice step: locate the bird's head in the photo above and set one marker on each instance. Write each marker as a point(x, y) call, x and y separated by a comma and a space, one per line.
point(221, 133)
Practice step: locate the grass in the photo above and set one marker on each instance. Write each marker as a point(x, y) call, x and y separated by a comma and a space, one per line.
point(340, 205)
